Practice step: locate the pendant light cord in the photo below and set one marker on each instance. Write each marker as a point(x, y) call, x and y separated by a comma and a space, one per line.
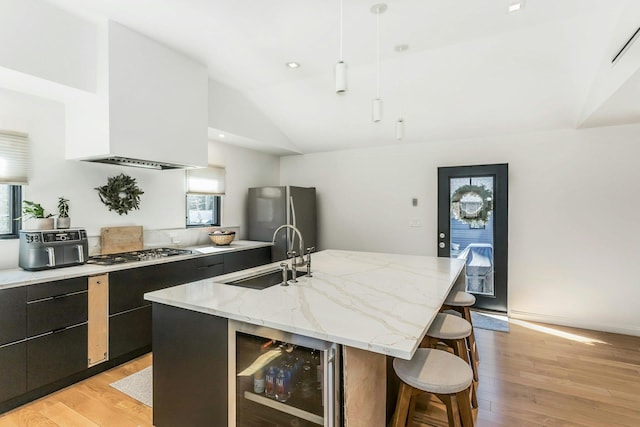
point(401, 84)
point(378, 54)
point(341, 57)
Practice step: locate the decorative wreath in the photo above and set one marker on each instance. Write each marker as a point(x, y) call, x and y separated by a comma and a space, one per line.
point(121, 194)
point(478, 217)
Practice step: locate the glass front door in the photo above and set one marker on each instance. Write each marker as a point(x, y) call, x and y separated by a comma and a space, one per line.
point(472, 220)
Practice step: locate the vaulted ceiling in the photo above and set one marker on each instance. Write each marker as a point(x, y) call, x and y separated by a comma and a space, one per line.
point(471, 70)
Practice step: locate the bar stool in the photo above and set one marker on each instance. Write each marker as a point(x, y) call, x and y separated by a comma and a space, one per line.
point(452, 331)
point(439, 373)
point(461, 301)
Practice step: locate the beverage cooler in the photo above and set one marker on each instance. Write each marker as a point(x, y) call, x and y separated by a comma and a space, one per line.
point(282, 379)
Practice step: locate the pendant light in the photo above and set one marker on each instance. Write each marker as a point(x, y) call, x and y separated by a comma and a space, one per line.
point(377, 102)
point(341, 66)
point(400, 122)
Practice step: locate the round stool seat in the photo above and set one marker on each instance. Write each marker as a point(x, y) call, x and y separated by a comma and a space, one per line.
point(460, 299)
point(449, 327)
point(453, 312)
point(434, 371)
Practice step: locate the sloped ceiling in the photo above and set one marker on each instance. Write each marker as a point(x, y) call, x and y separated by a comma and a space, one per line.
point(471, 70)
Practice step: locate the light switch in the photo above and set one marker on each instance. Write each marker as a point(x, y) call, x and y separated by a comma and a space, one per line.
point(414, 201)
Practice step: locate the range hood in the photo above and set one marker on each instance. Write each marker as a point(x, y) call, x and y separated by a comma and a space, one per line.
point(150, 110)
point(137, 163)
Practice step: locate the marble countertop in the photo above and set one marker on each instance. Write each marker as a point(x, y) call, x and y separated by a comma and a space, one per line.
point(14, 277)
point(378, 302)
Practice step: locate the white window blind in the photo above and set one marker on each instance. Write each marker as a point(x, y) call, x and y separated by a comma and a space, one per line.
point(206, 180)
point(14, 158)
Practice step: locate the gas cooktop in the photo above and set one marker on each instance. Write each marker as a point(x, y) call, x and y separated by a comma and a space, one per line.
point(143, 255)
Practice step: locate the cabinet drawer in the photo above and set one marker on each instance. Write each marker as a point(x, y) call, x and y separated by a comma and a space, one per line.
point(56, 313)
point(129, 331)
point(250, 258)
point(127, 287)
point(13, 314)
point(206, 271)
point(208, 266)
point(209, 261)
point(59, 287)
point(55, 356)
point(13, 370)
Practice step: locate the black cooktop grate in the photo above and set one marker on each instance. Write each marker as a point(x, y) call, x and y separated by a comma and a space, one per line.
point(133, 256)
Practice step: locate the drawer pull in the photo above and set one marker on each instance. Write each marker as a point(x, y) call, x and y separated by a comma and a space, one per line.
point(200, 267)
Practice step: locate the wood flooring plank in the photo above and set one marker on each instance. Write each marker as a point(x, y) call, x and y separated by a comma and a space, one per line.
point(65, 416)
point(99, 410)
point(33, 418)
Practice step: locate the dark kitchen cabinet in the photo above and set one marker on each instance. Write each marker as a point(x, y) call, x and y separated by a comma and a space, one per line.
point(129, 331)
point(57, 330)
point(55, 356)
point(56, 289)
point(13, 315)
point(49, 322)
point(13, 370)
point(209, 266)
point(13, 346)
point(127, 287)
point(236, 261)
point(130, 313)
point(190, 380)
point(56, 313)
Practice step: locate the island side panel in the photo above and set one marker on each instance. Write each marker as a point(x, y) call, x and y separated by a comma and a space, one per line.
point(365, 388)
point(190, 368)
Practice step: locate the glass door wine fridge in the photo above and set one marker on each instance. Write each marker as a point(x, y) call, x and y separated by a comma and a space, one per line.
point(281, 379)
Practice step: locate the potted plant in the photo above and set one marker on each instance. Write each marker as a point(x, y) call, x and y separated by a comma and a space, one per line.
point(63, 213)
point(34, 214)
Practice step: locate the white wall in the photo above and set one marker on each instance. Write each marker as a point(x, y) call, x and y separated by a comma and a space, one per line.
point(162, 204)
point(231, 112)
point(244, 169)
point(42, 41)
point(573, 236)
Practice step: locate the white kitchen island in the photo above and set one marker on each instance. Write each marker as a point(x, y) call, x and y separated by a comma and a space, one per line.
point(373, 304)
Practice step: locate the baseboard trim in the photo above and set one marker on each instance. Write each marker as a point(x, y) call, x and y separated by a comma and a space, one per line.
point(563, 321)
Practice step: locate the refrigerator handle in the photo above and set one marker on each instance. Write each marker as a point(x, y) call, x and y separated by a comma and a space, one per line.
point(293, 211)
point(293, 222)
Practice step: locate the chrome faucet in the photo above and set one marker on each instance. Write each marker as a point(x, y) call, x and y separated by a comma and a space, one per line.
point(301, 251)
point(309, 250)
point(284, 267)
point(294, 271)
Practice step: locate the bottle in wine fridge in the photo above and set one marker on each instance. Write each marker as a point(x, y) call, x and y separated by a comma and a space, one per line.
point(300, 375)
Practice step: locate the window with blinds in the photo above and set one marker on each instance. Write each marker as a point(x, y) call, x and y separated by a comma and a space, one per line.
point(14, 167)
point(204, 190)
point(14, 158)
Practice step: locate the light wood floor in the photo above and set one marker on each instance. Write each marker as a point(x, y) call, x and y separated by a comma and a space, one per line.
point(536, 375)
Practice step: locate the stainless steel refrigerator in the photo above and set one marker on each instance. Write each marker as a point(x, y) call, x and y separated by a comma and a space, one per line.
point(271, 207)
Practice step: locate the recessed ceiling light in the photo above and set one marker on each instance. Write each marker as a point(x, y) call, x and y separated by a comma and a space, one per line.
point(515, 6)
point(221, 135)
point(293, 64)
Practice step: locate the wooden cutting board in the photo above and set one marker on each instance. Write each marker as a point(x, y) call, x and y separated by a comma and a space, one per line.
point(121, 239)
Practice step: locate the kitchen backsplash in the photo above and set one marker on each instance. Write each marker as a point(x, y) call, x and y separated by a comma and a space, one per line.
point(169, 238)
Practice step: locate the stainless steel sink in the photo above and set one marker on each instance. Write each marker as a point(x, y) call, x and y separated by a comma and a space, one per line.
point(264, 280)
